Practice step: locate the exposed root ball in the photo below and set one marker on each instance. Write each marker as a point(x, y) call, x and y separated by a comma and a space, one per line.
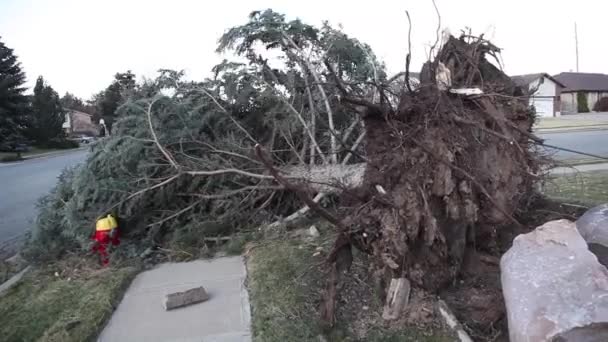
point(455, 168)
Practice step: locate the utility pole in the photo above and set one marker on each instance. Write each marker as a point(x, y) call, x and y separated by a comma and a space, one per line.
point(576, 42)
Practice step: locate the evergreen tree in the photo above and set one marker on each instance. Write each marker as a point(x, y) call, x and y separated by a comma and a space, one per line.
point(13, 103)
point(47, 114)
point(121, 89)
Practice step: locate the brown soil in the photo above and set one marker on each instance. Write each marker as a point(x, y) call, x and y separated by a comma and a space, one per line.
point(475, 296)
point(454, 169)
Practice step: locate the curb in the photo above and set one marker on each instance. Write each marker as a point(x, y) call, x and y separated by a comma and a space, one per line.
point(570, 129)
point(55, 153)
point(47, 154)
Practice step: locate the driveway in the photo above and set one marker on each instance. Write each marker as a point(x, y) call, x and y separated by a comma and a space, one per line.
point(21, 185)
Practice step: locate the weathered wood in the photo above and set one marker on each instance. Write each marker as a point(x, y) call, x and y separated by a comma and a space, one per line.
point(328, 178)
point(189, 297)
point(397, 298)
point(452, 322)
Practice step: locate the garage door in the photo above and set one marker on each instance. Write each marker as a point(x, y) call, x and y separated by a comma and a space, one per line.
point(544, 106)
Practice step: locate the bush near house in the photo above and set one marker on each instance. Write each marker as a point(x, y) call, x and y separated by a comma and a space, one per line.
point(581, 100)
point(601, 105)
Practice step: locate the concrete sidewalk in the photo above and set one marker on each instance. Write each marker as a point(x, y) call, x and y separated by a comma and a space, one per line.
point(225, 317)
point(564, 170)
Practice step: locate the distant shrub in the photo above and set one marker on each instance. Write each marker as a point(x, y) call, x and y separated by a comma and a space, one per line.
point(601, 105)
point(11, 158)
point(61, 143)
point(581, 100)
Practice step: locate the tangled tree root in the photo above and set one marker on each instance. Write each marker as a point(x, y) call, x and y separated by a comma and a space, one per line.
point(445, 171)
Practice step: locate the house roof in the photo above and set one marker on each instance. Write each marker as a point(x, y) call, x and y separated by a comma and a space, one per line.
point(77, 112)
point(580, 81)
point(525, 80)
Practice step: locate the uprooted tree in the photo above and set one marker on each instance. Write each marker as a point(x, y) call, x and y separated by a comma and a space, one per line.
point(181, 168)
point(423, 173)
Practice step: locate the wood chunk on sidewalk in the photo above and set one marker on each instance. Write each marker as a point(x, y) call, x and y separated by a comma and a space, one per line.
point(185, 298)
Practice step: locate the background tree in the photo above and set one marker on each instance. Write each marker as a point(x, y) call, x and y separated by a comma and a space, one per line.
point(47, 114)
point(71, 101)
point(121, 89)
point(13, 102)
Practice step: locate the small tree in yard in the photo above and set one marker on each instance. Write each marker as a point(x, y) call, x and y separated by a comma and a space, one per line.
point(47, 115)
point(581, 101)
point(13, 102)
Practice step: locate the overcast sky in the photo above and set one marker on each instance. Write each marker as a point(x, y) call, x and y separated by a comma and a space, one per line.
point(78, 45)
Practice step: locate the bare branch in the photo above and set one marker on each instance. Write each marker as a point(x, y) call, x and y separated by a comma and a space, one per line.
point(166, 153)
point(438, 29)
point(313, 112)
point(330, 115)
point(227, 171)
point(241, 128)
point(297, 114)
point(142, 191)
point(408, 58)
point(176, 214)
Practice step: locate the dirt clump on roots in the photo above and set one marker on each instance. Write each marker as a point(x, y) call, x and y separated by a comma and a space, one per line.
point(445, 172)
point(475, 295)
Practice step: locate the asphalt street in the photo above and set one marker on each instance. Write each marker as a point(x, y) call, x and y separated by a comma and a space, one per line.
point(21, 185)
point(594, 142)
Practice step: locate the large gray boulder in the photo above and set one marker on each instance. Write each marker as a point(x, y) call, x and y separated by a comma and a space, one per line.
point(554, 287)
point(593, 227)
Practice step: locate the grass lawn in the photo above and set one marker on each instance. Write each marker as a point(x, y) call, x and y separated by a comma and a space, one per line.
point(590, 188)
point(286, 279)
point(67, 302)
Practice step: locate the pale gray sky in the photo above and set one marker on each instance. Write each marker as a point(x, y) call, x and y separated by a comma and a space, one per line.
point(78, 45)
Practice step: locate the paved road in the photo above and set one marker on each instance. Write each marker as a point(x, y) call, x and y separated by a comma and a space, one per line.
point(21, 184)
point(595, 142)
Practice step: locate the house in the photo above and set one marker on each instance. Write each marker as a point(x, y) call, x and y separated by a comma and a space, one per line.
point(592, 86)
point(546, 92)
point(77, 122)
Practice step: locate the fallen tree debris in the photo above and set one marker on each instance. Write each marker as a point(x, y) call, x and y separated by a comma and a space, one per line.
point(397, 298)
point(452, 322)
point(185, 298)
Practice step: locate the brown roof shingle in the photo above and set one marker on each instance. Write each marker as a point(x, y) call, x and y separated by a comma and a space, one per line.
point(580, 81)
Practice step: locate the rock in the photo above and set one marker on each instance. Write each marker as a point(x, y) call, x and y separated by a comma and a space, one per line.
point(593, 227)
point(397, 298)
point(553, 286)
point(313, 232)
point(189, 297)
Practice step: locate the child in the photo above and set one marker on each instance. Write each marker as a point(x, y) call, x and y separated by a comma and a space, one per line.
point(106, 232)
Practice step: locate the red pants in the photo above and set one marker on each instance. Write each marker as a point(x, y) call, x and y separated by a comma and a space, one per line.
point(103, 239)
